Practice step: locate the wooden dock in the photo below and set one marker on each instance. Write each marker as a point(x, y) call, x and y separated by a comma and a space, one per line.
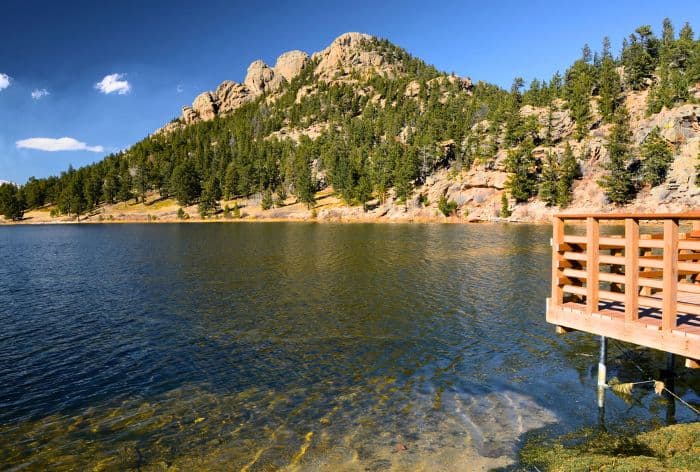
point(639, 282)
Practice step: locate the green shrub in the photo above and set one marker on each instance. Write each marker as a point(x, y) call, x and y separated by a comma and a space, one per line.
point(447, 207)
point(505, 208)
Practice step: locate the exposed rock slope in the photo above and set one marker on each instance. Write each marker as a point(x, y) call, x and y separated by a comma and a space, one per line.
point(477, 190)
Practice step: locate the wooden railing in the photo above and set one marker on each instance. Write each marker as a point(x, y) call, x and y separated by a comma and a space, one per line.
point(652, 271)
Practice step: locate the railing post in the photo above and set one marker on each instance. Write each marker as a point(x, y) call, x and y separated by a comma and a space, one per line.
point(592, 264)
point(670, 275)
point(557, 240)
point(631, 269)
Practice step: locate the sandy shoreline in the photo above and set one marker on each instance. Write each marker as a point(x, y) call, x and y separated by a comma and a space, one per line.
point(328, 209)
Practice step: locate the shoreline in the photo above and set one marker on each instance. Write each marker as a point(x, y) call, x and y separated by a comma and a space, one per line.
point(329, 208)
point(393, 221)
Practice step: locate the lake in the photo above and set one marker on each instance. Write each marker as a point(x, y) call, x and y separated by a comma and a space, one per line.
point(267, 346)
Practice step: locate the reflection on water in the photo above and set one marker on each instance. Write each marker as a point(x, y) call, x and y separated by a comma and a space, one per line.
point(284, 346)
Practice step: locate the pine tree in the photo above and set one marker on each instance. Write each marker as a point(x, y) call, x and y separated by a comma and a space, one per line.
point(522, 180)
point(578, 88)
point(184, 183)
point(363, 191)
point(266, 202)
point(505, 207)
point(609, 84)
point(568, 172)
point(618, 182)
point(124, 182)
point(656, 158)
point(208, 201)
point(548, 184)
point(12, 204)
point(304, 186)
point(672, 84)
point(639, 56)
point(405, 170)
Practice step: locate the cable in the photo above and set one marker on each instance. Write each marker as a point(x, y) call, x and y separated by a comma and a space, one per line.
point(651, 379)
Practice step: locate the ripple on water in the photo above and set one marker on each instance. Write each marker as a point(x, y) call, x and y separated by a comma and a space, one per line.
point(276, 346)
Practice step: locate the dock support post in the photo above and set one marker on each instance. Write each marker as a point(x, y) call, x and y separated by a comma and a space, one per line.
point(670, 379)
point(602, 371)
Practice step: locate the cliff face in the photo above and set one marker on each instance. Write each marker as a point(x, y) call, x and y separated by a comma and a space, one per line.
point(477, 188)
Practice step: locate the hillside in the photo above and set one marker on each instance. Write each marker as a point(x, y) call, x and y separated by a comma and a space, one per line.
point(363, 130)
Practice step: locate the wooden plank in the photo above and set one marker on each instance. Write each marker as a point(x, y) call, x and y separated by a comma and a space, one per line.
point(612, 296)
point(563, 247)
point(653, 262)
point(575, 273)
point(648, 282)
point(650, 243)
point(572, 239)
point(612, 242)
point(689, 308)
point(631, 269)
point(691, 215)
point(689, 244)
point(592, 264)
point(557, 239)
point(688, 287)
point(614, 260)
point(651, 302)
point(612, 278)
point(658, 303)
point(688, 266)
point(670, 277)
point(637, 333)
point(575, 289)
point(574, 256)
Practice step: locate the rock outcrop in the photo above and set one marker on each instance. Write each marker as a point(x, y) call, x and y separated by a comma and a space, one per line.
point(261, 78)
point(345, 57)
point(559, 125)
point(231, 96)
point(291, 63)
point(677, 124)
point(205, 106)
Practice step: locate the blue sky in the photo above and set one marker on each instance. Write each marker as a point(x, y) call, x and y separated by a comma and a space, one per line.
point(167, 52)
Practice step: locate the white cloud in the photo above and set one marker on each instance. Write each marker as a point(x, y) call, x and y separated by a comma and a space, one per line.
point(114, 83)
point(4, 81)
point(56, 144)
point(38, 94)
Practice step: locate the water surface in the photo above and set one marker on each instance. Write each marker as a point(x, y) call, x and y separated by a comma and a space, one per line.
point(289, 346)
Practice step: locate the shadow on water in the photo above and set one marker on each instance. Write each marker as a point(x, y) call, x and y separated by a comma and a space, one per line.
point(297, 346)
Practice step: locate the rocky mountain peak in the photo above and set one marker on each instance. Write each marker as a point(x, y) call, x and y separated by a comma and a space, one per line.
point(291, 63)
point(262, 78)
point(347, 57)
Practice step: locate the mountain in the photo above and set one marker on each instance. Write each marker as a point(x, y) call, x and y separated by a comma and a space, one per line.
point(364, 130)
